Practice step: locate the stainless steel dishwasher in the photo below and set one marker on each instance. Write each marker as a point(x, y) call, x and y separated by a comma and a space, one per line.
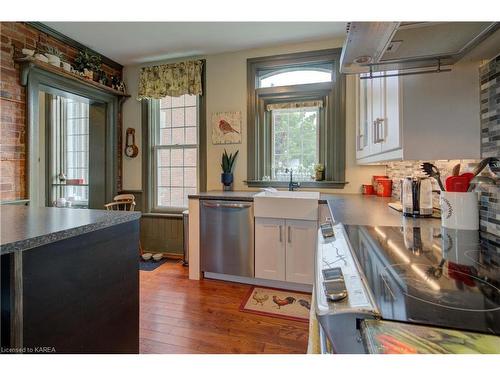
point(227, 237)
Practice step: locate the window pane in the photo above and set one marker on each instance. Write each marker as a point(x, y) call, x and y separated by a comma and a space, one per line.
point(178, 101)
point(190, 100)
point(166, 102)
point(164, 196)
point(164, 158)
point(191, 136)
point(164, 176)
point(177, 196)
point(191, 116)
point(166, 136)
point(178, 136)
point(190, 157)
point(165, 118)
point(295, 77)
point(177, 177)
point(178, 117)
point(295, 142)
point(190, 177)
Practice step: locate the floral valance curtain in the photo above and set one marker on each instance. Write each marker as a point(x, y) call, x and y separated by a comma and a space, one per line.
point(156, 82)
point(291, 105)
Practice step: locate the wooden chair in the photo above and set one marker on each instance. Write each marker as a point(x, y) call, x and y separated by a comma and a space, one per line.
point(123, 202)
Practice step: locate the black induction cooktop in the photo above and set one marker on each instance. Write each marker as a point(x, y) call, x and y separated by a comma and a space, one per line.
point(434, 276)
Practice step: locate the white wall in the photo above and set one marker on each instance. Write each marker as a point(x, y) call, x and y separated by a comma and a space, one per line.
point(226, 91)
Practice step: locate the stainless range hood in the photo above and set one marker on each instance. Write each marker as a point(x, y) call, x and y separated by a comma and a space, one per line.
point(400, 46)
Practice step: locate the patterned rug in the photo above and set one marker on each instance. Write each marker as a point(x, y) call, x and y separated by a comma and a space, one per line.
point(277, 303)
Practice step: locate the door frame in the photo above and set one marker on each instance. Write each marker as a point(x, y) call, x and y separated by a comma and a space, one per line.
point(36, 80)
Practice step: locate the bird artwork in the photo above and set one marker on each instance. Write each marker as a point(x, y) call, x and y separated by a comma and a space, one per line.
point(283, 302)
point(225, 127)
point(260, 298)
point(304, 303)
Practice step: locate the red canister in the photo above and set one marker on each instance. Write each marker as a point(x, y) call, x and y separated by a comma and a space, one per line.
point(384, 187)
point(375, 182)
point(367, 189)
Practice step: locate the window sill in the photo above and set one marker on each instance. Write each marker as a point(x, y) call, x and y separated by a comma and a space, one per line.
point(304, 184)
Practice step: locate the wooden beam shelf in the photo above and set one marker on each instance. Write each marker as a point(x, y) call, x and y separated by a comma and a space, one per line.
point(63, 73)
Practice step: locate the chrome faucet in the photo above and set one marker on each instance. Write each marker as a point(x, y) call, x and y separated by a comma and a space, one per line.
point(292, 185)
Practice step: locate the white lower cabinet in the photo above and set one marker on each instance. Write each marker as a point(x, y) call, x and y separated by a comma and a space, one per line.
point(284, 249)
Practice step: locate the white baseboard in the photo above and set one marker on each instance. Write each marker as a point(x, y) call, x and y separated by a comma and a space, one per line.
point(260, 282)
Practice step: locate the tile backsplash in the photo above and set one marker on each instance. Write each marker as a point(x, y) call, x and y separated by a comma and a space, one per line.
point(490, 141)
point(398, 170)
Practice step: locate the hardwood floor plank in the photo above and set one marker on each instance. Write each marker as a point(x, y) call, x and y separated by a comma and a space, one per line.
point(179, 315)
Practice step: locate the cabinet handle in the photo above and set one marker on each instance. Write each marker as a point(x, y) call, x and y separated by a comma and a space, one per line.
point(375, 131)
point(289, 234)
point(381, 134)
point(281, 233)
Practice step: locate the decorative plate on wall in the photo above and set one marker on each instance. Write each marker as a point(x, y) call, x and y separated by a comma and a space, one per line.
point(226, 127)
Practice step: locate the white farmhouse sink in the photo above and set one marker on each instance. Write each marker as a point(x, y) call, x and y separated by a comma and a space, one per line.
point(302, 205)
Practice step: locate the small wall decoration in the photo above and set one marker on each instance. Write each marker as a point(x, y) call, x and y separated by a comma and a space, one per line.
point(131, 149)
point(226, 127)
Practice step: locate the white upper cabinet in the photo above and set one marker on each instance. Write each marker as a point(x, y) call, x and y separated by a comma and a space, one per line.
point(378, 128)
point(419, 117)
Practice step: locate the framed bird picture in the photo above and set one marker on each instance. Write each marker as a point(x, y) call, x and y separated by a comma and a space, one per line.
point(226, 127)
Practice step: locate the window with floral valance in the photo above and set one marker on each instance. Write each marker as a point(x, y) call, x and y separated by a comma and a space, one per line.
point(177, 79)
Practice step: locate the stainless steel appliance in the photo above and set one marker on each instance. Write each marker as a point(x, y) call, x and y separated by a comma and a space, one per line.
point(417, 197)
point(422, 275)
point(227, 237)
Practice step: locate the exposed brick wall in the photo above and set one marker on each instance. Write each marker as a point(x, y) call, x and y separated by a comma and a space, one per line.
point(13, 158)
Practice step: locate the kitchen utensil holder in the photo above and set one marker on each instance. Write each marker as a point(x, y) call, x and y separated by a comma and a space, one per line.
point(459, 210)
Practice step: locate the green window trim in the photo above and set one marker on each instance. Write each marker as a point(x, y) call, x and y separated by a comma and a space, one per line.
point(332, 116)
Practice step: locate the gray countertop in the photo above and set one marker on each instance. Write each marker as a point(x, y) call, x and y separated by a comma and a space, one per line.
point(357, 209)
point(25, 228)
point(245, 196)
point(350, 209)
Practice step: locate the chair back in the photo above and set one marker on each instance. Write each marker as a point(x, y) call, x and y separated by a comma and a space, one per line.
point(122, 205)
point(124, 197)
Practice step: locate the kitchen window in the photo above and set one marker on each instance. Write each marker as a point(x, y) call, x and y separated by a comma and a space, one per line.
point(174, 149)
point(296, 119)
point(295, 142)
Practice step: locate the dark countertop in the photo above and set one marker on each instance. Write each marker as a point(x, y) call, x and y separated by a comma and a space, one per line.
point(245, 196)
point(25, 228)
point(357, 209)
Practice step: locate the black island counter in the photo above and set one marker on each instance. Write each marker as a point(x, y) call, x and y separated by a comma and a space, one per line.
point(69, 280)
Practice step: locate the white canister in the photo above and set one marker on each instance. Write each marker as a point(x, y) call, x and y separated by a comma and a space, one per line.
point(459, 210)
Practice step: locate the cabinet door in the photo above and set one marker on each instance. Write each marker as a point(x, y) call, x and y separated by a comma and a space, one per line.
point(364, 114)
point(378, 115)
point(301, 236)
point(270, 248)
point(390, 127)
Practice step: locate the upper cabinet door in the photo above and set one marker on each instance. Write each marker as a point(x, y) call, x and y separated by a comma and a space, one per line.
point(390, 127)
point(270, 243)
point(301, 236)
point(364, 117)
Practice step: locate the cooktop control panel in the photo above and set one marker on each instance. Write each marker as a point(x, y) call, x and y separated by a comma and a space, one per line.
point(334, 258)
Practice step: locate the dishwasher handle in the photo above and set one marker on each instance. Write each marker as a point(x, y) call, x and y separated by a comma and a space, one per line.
point(227, 205)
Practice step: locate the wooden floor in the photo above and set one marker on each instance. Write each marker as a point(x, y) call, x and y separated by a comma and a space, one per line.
point(179, 315)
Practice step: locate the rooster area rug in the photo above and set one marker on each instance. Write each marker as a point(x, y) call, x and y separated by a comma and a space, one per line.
point(278, 303)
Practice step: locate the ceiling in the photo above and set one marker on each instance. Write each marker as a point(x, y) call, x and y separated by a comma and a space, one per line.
point(131, 43)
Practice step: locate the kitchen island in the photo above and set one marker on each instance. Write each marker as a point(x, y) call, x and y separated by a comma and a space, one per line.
point(69, 280)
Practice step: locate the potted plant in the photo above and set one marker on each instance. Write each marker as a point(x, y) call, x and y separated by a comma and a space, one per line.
point(87, 63)
point(319, 170)
point(54, 55)
point(40, 54)
point(65, 64)
point(227, 170)
point(102, 77)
